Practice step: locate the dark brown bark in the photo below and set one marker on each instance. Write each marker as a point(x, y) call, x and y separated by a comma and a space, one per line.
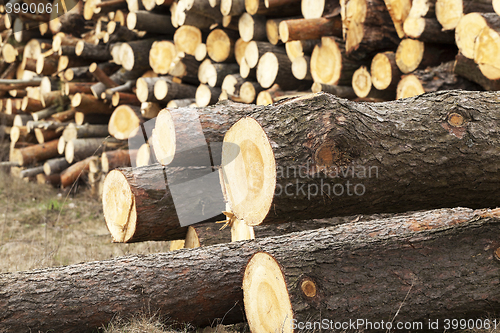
point(213, 277)
point(428, 266)
point(468, 69)
point(153, 214)
point(301, 29)
point(376, 156)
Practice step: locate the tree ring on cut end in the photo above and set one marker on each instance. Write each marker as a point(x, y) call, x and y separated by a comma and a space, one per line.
point(119, 207)
point(249, 171)
point(265, 296)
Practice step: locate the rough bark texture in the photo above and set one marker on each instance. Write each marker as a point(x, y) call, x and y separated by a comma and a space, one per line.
point(65, 298)
point(428, 266)
point(446, 149)
point(157, 217)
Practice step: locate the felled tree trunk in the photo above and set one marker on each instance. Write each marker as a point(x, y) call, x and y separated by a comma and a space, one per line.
point(332, 157)
point(147, 203)
point(426, 268)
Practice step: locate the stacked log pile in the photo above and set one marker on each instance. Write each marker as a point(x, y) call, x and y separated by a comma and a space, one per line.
point(136, 58)
point(166, 109)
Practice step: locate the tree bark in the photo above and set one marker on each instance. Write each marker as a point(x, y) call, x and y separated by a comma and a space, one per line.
point(347, 149)
point(150, 22)
point(120, 158)
point(217, 273)
point(301, 29)
point(139, 205)
point(391, 272)
point(55, 165)
point(74, 172)
point(35, 154)
point(467, 68)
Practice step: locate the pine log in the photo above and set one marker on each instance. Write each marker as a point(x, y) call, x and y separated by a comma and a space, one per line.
point(329, 152)
point(47, 65)
point(101, 76)
point(45, 135)
point(120, 158)
point(340, 91)
point(30, 105)
point(409, 261)
point(384, 71)
point(21, 134)
point(125, 122)
point(275, 68)
point(161, 55)
point(362, 86)
point(53, 180)
point(65, 115)
point(132, 198)
point(119, 98)
point(468, 69)
point(135, 55)
point(74, 172)
point(45, 113)
point(469, 28)
point(432, 79)
point(35, 154)
point(80, 149)
point(256, 49)
point(145, 89)
point(31, 172)
point(186, 68)
point(166, 90)
point(272, 30)
point(301, 68)
point(206, 95)
point(187, 38)
point(232, 84)
point(299, 48)
point(428, 30)
point(120, 77)
point(279, 8)
point(232, 7)
point(302, 29)
point(180, 103)
point(329, 63)
point(61, 145)
point(150, 110)
point(181, 17)
point(220, 45)
point(199, 8)
point(71, 88)
point(412, 54)
point(55, 166)
point(449, 12)
point(316, 8)
point(214, 73)
point(88, 104)
point(365, 27)
point(68, 62)
point(399, 11)
point(252, 27)
point(485, 52)
point(150, 22)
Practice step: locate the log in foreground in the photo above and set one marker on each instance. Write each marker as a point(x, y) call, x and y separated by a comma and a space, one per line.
point(150, 203)
point(202, 284)
point(335, 157)
point(426, 267)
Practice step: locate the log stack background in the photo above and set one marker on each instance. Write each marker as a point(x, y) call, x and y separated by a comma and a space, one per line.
point(80, 95)
point(64, 77)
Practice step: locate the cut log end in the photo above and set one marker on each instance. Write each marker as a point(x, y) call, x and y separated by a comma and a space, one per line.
point(449, 13)
point(466, 32)
point(164, 149)
point(326, 62)
point(219, 45)
point(124, 122)
point(361, 82)
point(118, 207)
point(486, 53)
point(381, 71)
point(192, 240)
point(409, 86)
point(409, 55)
point(267, 70)
point(249, 171)
point(265, 296)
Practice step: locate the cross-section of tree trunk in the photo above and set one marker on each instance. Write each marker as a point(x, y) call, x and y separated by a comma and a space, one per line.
point(350, 155)
point(378, 269)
